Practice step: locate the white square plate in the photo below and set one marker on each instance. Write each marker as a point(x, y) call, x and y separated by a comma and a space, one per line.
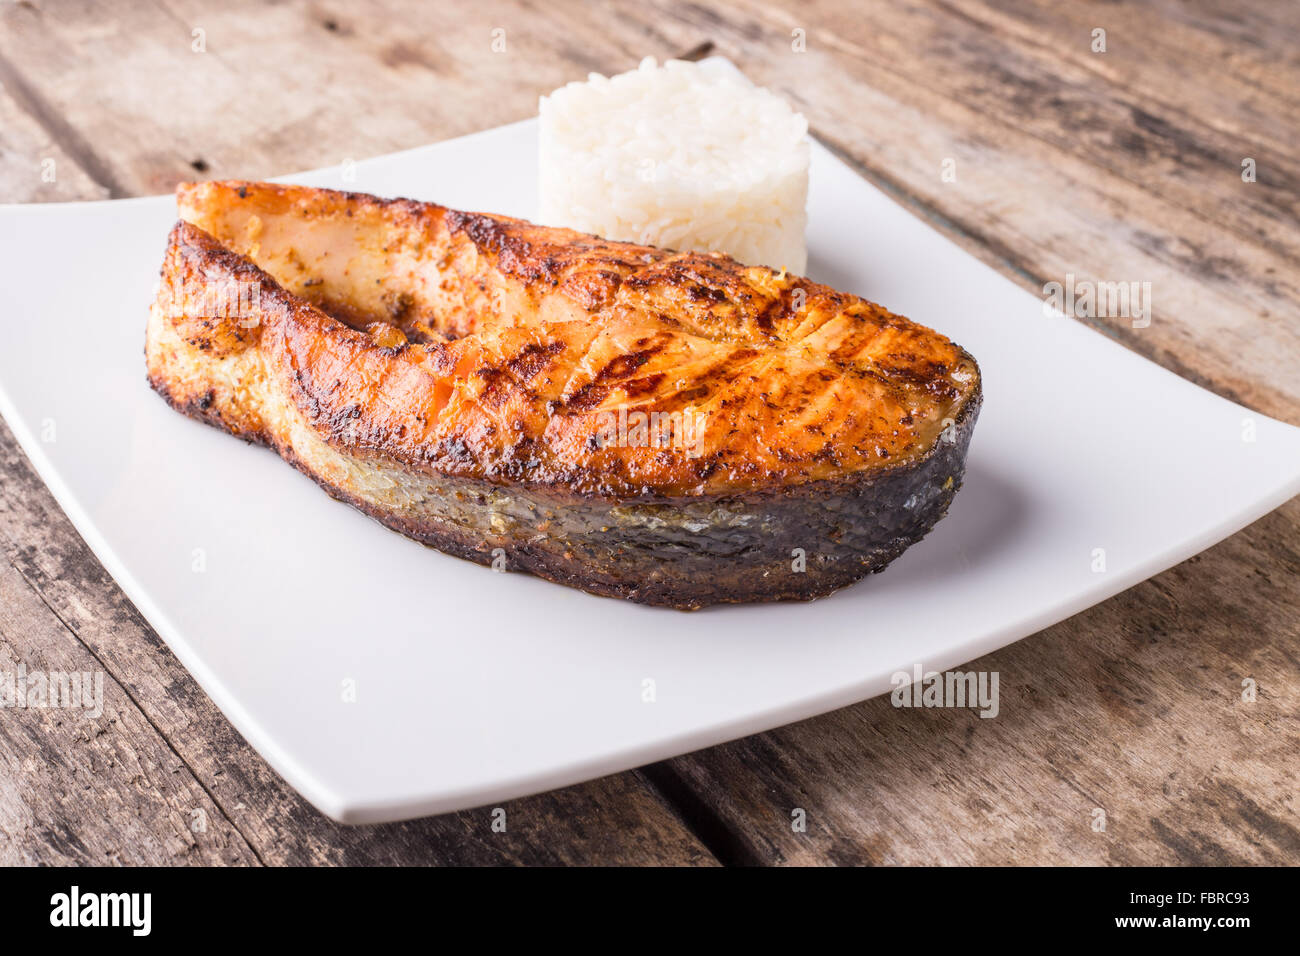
point(473, 686)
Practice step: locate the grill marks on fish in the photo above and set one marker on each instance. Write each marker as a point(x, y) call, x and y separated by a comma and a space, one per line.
point(512, 339)
point(516, 373)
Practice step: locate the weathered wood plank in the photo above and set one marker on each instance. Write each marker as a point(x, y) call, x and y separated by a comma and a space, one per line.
point(332, 82)
point(33, 166)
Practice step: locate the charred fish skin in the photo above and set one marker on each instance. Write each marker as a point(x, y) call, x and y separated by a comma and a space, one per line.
point(403, 428)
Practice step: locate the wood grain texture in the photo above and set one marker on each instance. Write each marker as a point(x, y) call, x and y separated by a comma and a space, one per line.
point(33, 166)
point(1123, 165)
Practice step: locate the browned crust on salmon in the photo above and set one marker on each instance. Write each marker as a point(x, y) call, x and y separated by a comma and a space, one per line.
point(454, 375)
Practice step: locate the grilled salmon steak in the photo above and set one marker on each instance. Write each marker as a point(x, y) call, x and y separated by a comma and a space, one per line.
point(672, 428)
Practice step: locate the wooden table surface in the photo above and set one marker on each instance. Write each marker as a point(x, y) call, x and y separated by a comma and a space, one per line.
point(1122, 164)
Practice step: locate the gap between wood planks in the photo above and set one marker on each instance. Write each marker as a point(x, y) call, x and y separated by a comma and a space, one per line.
point(61, 133)
point(725, 841)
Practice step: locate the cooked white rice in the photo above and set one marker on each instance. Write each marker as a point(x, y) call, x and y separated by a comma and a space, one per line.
point(685, 156)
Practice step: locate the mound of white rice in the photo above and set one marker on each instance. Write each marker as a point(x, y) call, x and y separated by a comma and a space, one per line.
point(684, 156)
